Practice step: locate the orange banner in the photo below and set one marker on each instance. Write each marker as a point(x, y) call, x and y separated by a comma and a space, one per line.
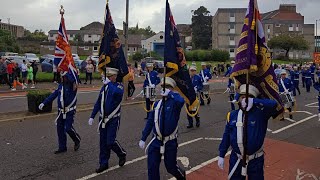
point(316, 57)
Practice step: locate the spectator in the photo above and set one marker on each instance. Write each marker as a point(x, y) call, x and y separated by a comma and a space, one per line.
point(131, 87)
point(30, 76)
point(24, 71)
point(17, 77)
point(89, 71)
point(10, 70)
point(35, 70)
point(4, 72)
point(215, 71)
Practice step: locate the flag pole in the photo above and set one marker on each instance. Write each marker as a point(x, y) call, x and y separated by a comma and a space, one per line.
point(163, 108)
point(63, 82)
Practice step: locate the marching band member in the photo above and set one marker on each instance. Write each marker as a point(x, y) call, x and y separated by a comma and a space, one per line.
point(285, 87)
point(308, 74)
point(296, 75)
point(174, 102)
point(197, 84)
point(67, 100)
point(317, 87)
point(259, 112)
point(205, 77)
point(109, 105)
point(303, 75)
point(313, 69)
point(151, 81)
point(231, 86)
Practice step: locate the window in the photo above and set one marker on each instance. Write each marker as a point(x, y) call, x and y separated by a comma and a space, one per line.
point(134, 49)
point(232, 14)
point(95, 48)
point(297, 27)
point(291, 27)
point(51, 48)
point(232, 29)
point(231, 38)
point(86, 48)
point(231, 50)
point(269, 29)
point(278, 25)
point(232, 17)
point(89, 36)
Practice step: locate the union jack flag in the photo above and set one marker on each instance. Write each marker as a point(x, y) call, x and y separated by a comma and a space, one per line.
point(63, 55)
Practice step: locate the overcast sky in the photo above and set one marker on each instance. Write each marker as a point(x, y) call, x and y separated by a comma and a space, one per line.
point(44, 14)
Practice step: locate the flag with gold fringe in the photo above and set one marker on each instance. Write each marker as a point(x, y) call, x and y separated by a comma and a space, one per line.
point(253, 57)
point(110, 52)
point(175, 61)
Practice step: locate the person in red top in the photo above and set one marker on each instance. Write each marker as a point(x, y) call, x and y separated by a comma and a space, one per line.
point(10, 71)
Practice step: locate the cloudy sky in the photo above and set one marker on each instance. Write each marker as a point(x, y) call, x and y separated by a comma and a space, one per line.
point(44, 14)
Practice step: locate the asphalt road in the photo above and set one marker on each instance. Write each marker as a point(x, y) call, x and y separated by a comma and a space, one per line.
point(27, 146)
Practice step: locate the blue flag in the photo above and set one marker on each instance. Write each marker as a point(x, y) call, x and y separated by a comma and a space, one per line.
point(111, 53)
point(175, 61)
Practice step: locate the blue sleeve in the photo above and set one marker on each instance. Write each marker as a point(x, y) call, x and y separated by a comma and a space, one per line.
point(117, 89)
point(227, 73)
point(291, 86)
point(97, 106)
point(157, 79)
point(179, 101)
point(209, 74)
point(200, 85)
point(317, 86)
point(229, 83)
point(149, 126)
point(269, 105)
point(225, 143)
point(52, 97)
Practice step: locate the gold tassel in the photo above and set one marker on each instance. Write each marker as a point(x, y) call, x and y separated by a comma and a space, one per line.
point(256, 48)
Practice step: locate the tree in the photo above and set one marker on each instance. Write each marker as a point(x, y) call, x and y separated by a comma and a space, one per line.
point(201, 28)
point(137, 56)
point(288, 43)
point(8, 42)
point(147, 32)
point(78, 38)
point(37, 35)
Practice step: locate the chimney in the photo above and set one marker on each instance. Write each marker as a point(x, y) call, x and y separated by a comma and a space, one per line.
point(288, 8)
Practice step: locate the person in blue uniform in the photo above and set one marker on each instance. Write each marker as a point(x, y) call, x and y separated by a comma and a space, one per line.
point(286, 87)
point(316, 85)
point(313, 69)
point(303, 76)
point(151, 81)
point(295, 75)
point(197, 84)
point(166, 131)
point(67, 100)
point(109, 105)
point(259, 112)
point(308, 74)
point(231, 86)
point(205, 77)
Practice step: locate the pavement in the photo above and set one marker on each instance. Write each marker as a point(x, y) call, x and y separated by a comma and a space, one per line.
point(27, 145)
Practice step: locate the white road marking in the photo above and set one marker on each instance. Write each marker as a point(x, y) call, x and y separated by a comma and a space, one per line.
point(203, 165)
point(294, 124)
point(213, 139)
point(12, 98)
point(308, 105)
point(306, 112)
point(184, 161)
point(302, 175)
point(132, 161)
point(291, 120)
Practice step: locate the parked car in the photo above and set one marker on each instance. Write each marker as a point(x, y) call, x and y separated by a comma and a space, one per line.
point(2, 54)
point(11, 54)
point(75, 57)
point(78, 63)
point(47, 65)
point(18, 59)
point(32, 57)
point(42, 58)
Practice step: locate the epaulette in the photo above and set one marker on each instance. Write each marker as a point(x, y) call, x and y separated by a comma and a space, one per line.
point(228, 117)
point(120, 86)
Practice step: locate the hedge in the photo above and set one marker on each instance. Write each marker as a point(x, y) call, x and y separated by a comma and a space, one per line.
point(208, 55)
point(48, 77)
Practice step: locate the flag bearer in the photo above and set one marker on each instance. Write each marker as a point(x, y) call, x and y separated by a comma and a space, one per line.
point(67, 100)
point(109, 105)
point(197, 84)
point(166, 130)
point(259, 112)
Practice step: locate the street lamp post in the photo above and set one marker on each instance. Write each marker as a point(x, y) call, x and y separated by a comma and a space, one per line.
point(126, 33)
point(316, 38)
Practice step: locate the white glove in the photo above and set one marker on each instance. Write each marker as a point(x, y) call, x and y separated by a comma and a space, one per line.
point(106, 80)
point(152, 85)
point(195, 89)
point(244, 104)
point(90, 122)
point(221, 163)
point(286, 91)
point(207, 78)
point(41, 106)
point(165, 93)
point(142, 144)
point(234, 101)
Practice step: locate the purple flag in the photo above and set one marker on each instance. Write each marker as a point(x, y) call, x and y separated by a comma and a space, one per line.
point(253, 57)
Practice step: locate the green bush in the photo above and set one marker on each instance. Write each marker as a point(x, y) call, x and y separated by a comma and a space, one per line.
point(48, 77)
point(35, 98)
point(206, 55)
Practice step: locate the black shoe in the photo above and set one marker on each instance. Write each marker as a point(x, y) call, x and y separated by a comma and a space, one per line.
point(282, 119)
point(198, 123)
point(190, 126)
point(122, 160)
point(209, 101)
point(102, 168)
point(60, 151)
point(76, 146)
point(184, 175)
point(291, 117)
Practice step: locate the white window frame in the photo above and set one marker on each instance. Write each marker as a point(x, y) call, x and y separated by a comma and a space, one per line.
point(86, 48)
point(95, 48)
point(232, 30)
point(278, 25)
point(291, 27)
point(51, 48)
